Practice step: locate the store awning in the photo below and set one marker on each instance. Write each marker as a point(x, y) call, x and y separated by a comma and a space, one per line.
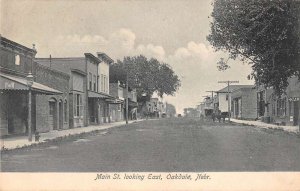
point(92, 94)
point(114, 101)
point(11, 83)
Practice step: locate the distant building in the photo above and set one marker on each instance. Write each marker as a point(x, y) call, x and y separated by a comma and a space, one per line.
point(221, 102)
point(117, 105)
point(206, 107)
point(244, 103)
point(156, 108)
point(132, 103)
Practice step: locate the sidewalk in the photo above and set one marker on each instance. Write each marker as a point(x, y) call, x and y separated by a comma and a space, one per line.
point(293, 129)
point(20, 141)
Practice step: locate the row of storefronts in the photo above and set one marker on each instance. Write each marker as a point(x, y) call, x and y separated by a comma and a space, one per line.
point(283, 110)
point(44, 94)
point(256, 103)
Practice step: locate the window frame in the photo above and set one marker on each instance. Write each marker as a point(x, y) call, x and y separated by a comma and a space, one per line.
point(78, 107)
point(90, 81)
point(94, 83)
point(102, 83)
point(65, 111)
point(17, 60)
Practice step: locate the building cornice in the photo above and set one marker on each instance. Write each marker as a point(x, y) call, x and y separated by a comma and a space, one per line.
point(16, 46)
point(105, 57)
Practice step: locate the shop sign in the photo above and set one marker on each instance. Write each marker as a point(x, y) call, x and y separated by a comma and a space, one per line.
point(9, 85)
point(294, 99)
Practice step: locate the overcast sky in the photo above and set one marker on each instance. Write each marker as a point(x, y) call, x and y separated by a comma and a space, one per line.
point(172, 31)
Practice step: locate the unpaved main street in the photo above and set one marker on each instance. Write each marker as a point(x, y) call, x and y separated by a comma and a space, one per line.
point(164, 145)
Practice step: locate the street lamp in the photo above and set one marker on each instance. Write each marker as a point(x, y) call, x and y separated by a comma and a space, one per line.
point(29, 78)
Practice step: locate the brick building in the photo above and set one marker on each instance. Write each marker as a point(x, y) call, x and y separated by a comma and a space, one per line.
point(52, 111)
point(244, 103)
point(75, 67)
point(282, 110)
point(89, 87)
point(20, 79)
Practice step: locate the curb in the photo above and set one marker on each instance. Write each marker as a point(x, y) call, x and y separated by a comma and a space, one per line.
point(297, 132)
point(3, 148)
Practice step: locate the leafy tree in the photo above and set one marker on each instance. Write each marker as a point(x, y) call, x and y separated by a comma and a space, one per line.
point(146, 76)
point(263, 33)
point(170, 110)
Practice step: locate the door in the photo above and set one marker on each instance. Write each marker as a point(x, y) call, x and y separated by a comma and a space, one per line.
point(60, 115)
point(296, 112)
point(93, 111)
point(52, 115)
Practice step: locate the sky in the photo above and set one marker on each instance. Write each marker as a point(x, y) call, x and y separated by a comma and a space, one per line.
point(171, 31)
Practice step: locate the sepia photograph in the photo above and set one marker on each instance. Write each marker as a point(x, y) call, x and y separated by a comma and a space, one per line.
point(151, 95)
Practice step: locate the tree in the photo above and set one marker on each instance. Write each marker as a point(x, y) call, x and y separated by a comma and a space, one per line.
point(146, 76)
point(264, 34)
point(170, 110)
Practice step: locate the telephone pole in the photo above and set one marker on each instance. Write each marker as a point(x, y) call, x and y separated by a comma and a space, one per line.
point(126, 106)
point(212, 93)
point(228, 83)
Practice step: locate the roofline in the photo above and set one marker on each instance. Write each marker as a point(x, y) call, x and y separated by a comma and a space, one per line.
point(53, 70)
point(15, 44)
point(242, 86)
point(60, 58)
point(93, 57)
point(250, 87)
point(105, 56)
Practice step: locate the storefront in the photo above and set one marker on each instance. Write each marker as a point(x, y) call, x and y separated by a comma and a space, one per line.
point(18, 97)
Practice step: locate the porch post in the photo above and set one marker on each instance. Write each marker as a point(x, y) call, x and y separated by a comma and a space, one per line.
point(29, 83)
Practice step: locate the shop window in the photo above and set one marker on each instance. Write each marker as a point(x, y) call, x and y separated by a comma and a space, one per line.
point(281, 107)
point(102, 82)
point(105, 84)
point(78, 111)
point(273, 109)
point(291, 109)
point(17, 60)
point(90, 81)
point(94, 83)
point(66, 111)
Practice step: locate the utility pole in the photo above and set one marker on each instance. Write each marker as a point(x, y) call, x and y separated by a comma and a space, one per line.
point(228, 83)
point(127, 94)
point(212, 93)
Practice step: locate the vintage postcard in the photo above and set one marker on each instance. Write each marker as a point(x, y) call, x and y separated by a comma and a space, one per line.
point(150, 95)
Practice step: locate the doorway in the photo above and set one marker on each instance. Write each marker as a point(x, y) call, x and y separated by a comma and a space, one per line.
point(52, 114)
point(60, 114)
